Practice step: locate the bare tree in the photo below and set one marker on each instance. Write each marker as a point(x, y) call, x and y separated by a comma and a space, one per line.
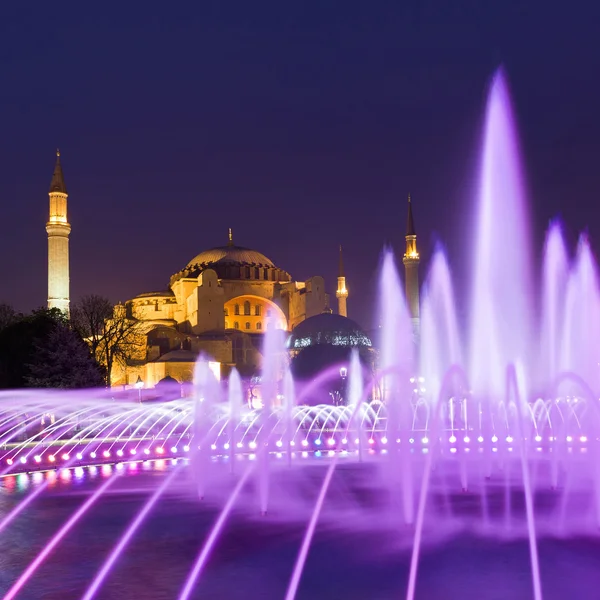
point(114, 338)
point(88, 318)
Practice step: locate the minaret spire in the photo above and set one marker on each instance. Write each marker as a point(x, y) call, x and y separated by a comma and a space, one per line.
point(58, 230)
point(230, 242)
point(58, 182)
point(411, 268)
point(342, 292)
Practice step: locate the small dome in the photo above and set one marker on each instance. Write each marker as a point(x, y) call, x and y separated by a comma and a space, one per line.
point(235, 255)
point(330, 329)
point(161, 294)
point(167, 381)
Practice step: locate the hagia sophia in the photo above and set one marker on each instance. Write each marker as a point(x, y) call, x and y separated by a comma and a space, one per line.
point(220, 303)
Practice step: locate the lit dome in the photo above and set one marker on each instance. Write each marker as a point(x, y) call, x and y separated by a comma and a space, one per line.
point(330, 329)
point(234, 255)
point(233, 262)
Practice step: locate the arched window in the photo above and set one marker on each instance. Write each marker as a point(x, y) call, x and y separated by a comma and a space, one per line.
point(246, 308)
point(247, 325)
point(226, 324)
point(236, 325)
point(236, 309)
point(257, 310)
point(259, 326)
point(226, 312)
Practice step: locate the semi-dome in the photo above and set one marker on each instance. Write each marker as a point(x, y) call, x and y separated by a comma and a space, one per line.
point(231, 255)
point(330, 329)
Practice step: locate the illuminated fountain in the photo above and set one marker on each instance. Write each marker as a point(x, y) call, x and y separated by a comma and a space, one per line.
point(482, 431)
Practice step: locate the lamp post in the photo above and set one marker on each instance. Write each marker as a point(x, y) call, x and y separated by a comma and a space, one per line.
point(139, 384)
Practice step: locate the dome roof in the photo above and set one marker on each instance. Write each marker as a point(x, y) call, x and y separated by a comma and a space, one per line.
point(235, 255)
point(330, 329)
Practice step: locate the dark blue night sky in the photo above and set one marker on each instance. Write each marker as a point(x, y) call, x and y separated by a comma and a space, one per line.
point(300, 125)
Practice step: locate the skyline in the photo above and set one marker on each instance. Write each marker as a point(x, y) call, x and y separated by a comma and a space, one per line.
point(312, 120)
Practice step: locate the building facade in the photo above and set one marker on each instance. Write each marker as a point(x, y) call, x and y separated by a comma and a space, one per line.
point(220, 304)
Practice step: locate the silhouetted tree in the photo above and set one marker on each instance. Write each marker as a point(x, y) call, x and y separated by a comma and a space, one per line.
point(17, 344)
point(62, 359)
point(8, 315)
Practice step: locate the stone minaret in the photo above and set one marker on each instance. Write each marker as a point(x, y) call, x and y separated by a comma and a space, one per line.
point(58, 229)
point(411, 268)
point(342, 291)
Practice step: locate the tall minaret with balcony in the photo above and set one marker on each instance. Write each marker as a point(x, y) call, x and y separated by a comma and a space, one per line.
point(411, 269)
point(342, 291)
point(58, 230)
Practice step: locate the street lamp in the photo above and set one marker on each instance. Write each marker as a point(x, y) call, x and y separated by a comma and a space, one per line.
point(139, 384)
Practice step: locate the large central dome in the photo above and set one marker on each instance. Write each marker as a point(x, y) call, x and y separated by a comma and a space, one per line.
point(234, 263)
point(231, 255)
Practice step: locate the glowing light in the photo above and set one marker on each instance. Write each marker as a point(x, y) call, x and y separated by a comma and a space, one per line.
point(344, 441)
point(305, 455)
point(226, 446)
point(106, 454)
point(186, 448)
point(538, 438)
point(23, 460)
point(119, 452)
point(371, 441)
point(494, 438)
point(65, 456)
point(304, 443)
point(37, 458)
point(583, 438)
point(317, 442)
point(425, 440)
point(509, 439)
point(51, 458)
point(384, 440)
point(147, 451)
point(160, 450)
point(453, 450)
point(317, 453)
point(357, 441)
point(480, 439)
point(467, 439)
point(79, 456)
point(240, 445)
point(452, 439)
point(92, 455)
point(252, 444)
point(9, 461)
point(174, 449)
point(279, 443)
point(331, 441)
point(292, 443)
point(569, 438)
point(133, 452)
